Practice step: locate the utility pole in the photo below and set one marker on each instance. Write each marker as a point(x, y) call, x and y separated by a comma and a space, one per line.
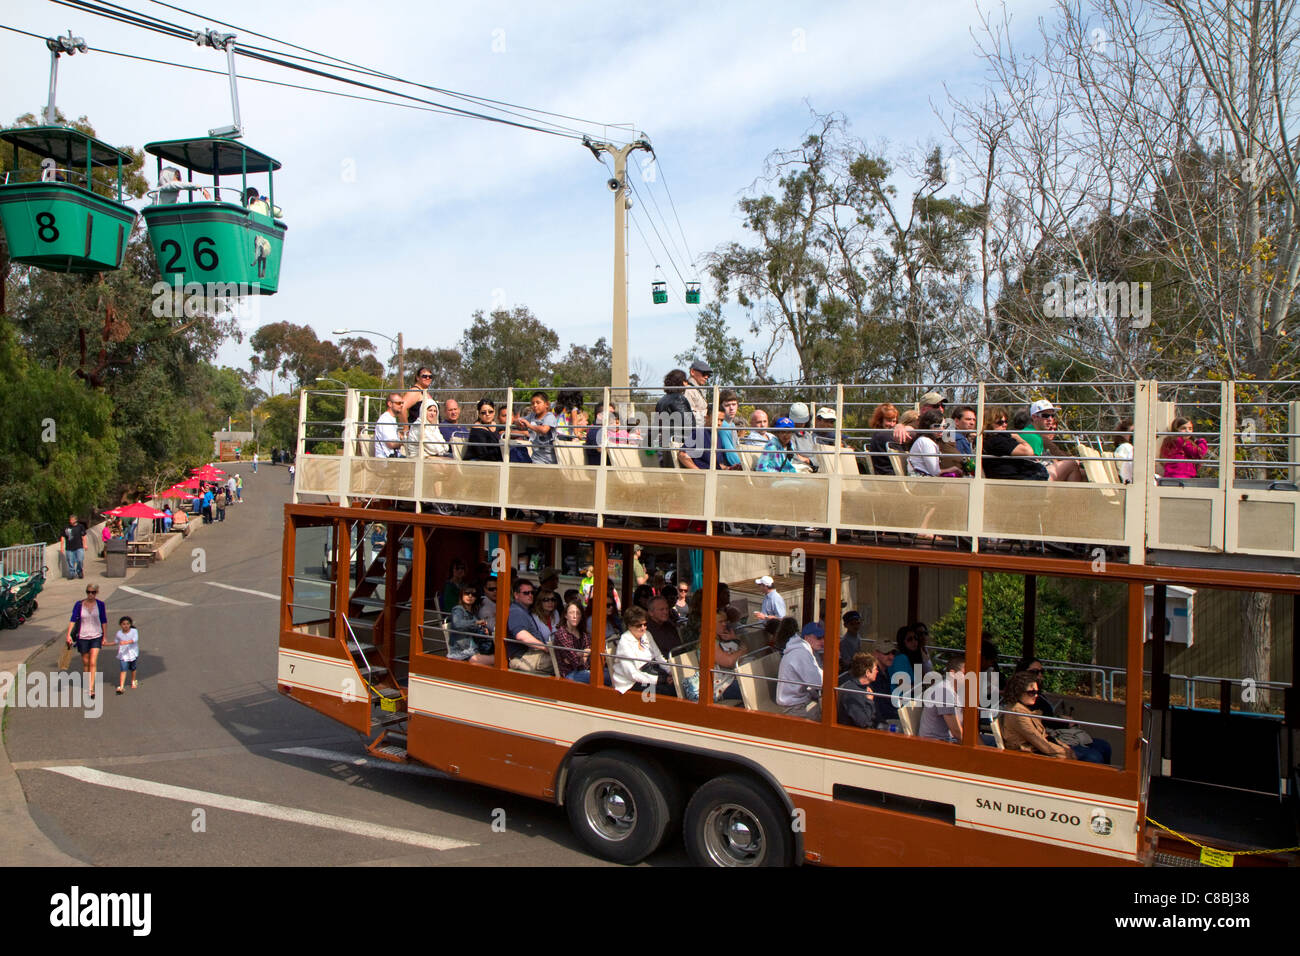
point(618, 348)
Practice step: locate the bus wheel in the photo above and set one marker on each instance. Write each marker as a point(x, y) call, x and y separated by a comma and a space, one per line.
point(617, 807)
point(732, 821)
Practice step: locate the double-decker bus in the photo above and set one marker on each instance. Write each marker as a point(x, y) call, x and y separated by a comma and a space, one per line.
point(1156, 607)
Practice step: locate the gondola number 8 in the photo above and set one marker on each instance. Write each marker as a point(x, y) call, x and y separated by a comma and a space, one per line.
point(204, 256)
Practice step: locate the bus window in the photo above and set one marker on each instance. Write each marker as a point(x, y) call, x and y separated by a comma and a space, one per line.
point(312, 579)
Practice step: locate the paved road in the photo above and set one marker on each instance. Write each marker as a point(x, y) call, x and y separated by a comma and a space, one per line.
point(207, 764)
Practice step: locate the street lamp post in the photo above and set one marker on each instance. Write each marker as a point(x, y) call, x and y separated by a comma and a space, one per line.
point(401, 367)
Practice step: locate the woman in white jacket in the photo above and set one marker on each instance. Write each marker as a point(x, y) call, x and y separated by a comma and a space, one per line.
point(636, 655)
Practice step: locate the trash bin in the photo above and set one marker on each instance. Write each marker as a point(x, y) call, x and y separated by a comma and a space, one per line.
point(115, 558)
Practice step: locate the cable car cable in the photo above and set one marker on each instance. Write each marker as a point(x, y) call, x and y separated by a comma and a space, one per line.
point(662, 217)
point(407, 96)
point(668, 252)
point(664, 180)
point(633, 219)
point(348, 64)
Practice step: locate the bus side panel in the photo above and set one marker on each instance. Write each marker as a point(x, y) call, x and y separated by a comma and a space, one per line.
point(355, 714)
point(494, 758)
point(848, 834)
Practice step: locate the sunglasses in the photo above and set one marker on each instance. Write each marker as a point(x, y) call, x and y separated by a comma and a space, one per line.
point(548, 600)
point(426, 375)
point(527, 593)
point(1000, 421)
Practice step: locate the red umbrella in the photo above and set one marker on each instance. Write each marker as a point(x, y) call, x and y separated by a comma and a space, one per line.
point(139, 510)
point(115, 512)
point(176, 491)
point(207, 470)
point(188, 483)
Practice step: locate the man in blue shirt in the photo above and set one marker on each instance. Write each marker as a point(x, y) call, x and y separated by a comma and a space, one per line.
point(773, 608)
point(451, 428)
point(729, 399)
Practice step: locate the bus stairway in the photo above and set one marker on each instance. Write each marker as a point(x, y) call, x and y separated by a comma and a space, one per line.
point(390, 740)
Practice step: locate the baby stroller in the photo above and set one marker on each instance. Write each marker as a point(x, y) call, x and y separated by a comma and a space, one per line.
point(18, 597)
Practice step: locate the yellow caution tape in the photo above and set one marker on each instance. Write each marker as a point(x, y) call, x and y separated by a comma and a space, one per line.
point(1212, 856)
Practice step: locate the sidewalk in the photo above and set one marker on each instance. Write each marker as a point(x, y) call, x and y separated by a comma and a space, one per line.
point(21, 842)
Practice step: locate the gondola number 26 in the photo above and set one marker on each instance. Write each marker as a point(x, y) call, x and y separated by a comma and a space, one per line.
point(204, 255)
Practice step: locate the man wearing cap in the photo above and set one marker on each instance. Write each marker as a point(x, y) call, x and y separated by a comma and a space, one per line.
point(1039, 435)
point(779, 455)
point(903, 433)
point(802, 440)
point(824, 427)
point(698, 374)
point(773, 608)
point(799, 681)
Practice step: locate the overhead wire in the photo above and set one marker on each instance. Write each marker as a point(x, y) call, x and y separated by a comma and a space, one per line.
point(633, 219)
point(651, 193)
point(103, 9)
point(650, 219)
point(669, 193)
point(502, 105)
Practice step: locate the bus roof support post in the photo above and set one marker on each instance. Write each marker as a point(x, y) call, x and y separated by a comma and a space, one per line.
point(831, 657)
point(1133, 676)
point(970, 714)
point(600, 575)
point(504, 562)
point(1029, 622)
point(708, 624)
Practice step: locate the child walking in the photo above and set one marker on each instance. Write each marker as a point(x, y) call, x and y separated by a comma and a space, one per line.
point(128, 652)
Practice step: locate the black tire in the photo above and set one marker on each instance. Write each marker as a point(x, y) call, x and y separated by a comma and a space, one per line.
point(617, 805)
point(734, 821)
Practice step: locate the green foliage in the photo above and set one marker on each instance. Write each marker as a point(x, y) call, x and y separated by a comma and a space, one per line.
point(725, 355)
point(506, 347)
point(58, 446)
point(1060, 631)
point(585, 366)
point(279, 422)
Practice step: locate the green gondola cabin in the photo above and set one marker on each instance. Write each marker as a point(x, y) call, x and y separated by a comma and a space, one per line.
point(659, 292)
point(692, 293)
point(52, 216)
point(215, 234)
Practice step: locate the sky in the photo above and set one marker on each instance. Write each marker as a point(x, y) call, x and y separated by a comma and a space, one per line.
point(406, 220)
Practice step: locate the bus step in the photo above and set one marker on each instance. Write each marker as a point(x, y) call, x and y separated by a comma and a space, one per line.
point(388, 720)
point(361, 647)
point(372, 673)
point(389, 745)
point(387, 693)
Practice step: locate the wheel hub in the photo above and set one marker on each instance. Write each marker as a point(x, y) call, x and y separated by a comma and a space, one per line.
point(610, 809)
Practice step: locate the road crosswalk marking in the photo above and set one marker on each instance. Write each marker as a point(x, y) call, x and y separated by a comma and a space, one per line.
point(231, 587)
point(257, 808)
point(156, 597)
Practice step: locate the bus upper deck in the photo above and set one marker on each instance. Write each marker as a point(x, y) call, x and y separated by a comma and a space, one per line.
point(368, 637)
point(1140, 497)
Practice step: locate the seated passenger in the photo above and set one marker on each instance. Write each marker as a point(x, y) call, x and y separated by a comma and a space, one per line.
point(879, 443)
point(636, 665)
point(885, 709)
point(1006, 454)
point(672, 419)
point(1040, 434)
point(469, 638)
point(526, 651)
point(941, 704)
point(568, 412)
point(546, 612)
point(757, 435)
point(1182, 447)
point(910, 659)
point(388, 438)
point(541, 425)
point(727, 430)
point(681, 602)
point(170, 187)
point(434, 444)
point(255, 203)
point(1021, 730)
point(855, 705)
point(662, 628)
point(727, 652)
point(451, 588)
point(779, 455)
point(484, 440)
point(519, 436)
point(800, 677)
point(1083, 745)
point(1124, 450)
point(851, 639)
point(451, 427)
point(573, 645)
point(923, 455)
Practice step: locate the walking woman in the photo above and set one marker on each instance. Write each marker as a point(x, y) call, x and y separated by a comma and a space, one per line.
point(86, 626)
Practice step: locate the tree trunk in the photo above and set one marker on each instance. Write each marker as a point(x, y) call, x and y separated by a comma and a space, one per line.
point(1256, 643)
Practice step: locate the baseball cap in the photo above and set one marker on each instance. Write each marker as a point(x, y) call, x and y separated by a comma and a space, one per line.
point(826, 413)
point(813, 629)
point(934, 398)
point(799, 413)
point(1040, 406)
point(764, 580)
point(699, 365)
point(784, 423)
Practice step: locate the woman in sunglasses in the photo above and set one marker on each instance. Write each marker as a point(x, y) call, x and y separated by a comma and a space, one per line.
point(418, 395)
point(1006, 454)
point(1021, 730)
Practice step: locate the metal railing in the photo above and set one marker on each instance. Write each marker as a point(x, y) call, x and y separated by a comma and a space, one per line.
point(25, 558)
